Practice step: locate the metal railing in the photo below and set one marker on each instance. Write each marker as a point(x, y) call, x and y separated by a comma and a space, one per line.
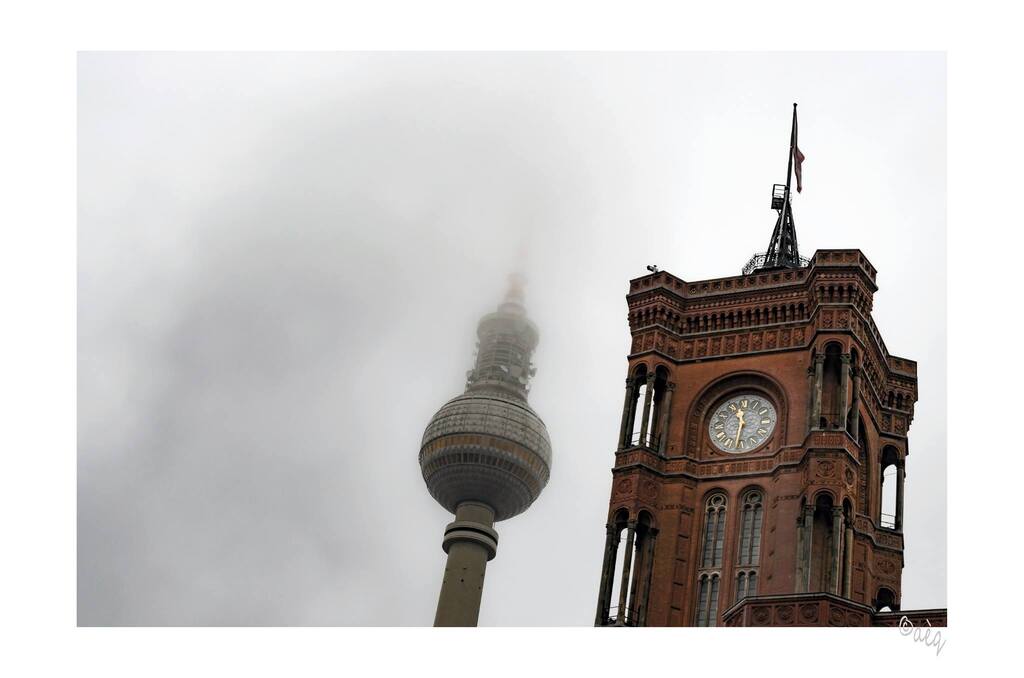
point(888, 521)
point(628, 618)
point(650, 441)
point(758, 260)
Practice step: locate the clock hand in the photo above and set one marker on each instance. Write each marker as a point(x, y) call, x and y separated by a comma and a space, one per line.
point(739, 415)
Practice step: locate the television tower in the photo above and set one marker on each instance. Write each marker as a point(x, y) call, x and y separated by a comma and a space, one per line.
point(485, 455)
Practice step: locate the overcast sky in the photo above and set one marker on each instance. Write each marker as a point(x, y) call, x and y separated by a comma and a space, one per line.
point(282, 260)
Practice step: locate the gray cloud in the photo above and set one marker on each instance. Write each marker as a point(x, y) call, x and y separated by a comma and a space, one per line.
point(282, 259)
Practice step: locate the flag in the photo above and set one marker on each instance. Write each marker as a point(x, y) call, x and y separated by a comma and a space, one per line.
point(798, 157)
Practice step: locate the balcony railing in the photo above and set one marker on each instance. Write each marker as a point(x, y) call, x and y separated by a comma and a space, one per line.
point(628, 618)
point(650, 441)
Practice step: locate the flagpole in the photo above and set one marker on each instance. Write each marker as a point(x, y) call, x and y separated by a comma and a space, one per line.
point(789, 167)
point(792, 143)
point(777, 234)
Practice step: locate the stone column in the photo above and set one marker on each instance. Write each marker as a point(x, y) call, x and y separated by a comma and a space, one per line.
point(625, 431)
point(627, 561)
point(800, 578)
point(819, 369)
point(470, 541)
point(855, 407)
point(844, 388)
point(808, 544)
point(847, 559)
point(667, 419)
point(604, 593)
point(837, 543)
point(645, 587)
point(639, 566)
point(648, 395)
point(810, 399)
point(900, 477)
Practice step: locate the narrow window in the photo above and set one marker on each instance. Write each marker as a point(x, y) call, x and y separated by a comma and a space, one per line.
point(751, 517)
point(888, 480)
point(711, 561)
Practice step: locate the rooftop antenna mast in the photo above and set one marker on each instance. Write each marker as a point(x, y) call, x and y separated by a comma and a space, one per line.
point(783, 251)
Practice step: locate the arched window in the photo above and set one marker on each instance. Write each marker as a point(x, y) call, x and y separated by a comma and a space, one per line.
point(709, 576)
point(714, 531)
point(751, 517)
point(750, 528)
point(830, 386)
point(889, 490)
point(707, 600)
point(885, 600)
point(746, 585)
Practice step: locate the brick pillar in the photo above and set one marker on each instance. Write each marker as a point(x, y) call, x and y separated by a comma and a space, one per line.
point(649, 393)
point(844, 387)
point(848, 559)
point(666, 419)
point(810, 399)
point(604, 593)
point(819, 369)
point(855, 407)
point(900, 477)
point(626, 429)
point(639, 566)
point(808, 544)
point(645, 588)
point(805, 528)
point(799, 583)
point(837, 542)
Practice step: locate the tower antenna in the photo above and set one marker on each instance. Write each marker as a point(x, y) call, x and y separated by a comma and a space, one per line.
point(783, 251)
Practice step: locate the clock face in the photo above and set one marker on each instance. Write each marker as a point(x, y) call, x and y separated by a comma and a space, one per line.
point(742, 423)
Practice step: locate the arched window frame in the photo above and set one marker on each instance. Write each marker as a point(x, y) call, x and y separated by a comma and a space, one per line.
point(749, 543)
point(709, 574)
point(888, 488)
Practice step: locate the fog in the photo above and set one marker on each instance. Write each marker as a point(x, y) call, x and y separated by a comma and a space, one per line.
point(283, 257)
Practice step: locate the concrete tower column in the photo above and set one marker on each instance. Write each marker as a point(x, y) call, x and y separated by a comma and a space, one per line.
point(844, 387)
point(470, 541)
point(819, 371)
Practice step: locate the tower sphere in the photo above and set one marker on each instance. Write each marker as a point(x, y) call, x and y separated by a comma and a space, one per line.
point(487, 445)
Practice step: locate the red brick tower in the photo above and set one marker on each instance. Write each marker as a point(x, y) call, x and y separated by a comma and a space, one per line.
point(762, 444)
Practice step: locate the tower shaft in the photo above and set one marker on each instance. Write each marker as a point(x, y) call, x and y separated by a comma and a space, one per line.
point(470, 541)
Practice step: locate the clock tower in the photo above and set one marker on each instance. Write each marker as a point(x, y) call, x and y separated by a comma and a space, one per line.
point(760, 462)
